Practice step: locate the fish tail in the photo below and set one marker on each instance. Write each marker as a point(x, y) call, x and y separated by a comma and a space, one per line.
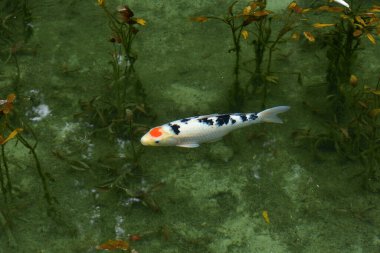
point(270, 115)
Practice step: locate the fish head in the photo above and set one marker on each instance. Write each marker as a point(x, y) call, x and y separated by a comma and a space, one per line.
point(158, 136)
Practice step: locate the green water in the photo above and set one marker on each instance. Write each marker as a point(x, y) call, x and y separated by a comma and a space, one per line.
point(212, 197)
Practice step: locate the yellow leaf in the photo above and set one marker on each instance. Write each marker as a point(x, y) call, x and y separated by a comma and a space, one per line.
point(320, 25)
point(101, 3)
point(376, 92)
point(362, 104)
point(360, 20)
point(272, 79)
point(353, 80)
point(245, 34)
point(266, 217)
point(345, 132)
point(140, 21)
point(309, 36)
point(292, 5)
point(374, 112)
point(200, 19)
point(295, 36)
point(247, 10)
point(371, 38)
point(11, 135)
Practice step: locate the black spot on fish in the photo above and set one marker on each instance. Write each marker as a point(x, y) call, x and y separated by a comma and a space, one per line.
point(175, 128)
point(252, 116)
point(206, 121)
point(233, 121)
point(243, 117)
point(185, 120)
point(222, 119)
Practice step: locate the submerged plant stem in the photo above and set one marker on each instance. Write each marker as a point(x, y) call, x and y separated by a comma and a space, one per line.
point(9, 183)
point(47, 195)
point(4, 224)
point(2, 183)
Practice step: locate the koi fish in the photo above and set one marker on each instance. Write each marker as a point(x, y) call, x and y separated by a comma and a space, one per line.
point(341, 2)
point(191, 132)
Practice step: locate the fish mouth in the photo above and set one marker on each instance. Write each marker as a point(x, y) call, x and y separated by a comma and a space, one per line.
point(145, 141)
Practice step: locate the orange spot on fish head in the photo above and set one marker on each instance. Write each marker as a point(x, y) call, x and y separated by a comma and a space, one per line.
point(155, 132)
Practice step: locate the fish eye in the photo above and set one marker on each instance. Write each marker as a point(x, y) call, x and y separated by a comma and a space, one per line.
point(157, 141)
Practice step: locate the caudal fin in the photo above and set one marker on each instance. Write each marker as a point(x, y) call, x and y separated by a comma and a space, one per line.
point(270, 115)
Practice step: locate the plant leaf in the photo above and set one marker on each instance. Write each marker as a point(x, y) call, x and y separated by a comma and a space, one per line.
point(11, 136)
point(371, 38)
point(199, 19)
point(245, 34)
point(309, 36)
point(374, 112)
point(320, 25)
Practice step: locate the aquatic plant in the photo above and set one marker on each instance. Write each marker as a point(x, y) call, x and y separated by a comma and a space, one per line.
point(351, 118)
point(15, 31)
point(120, 112)
point(6, 112)
point(343, 39)
point(236, 22)
point(8, 133)
point(125, 92)
point(255, 19)
point(262, 30)
point(123, 29)
point(355, 139)
point(266, 39)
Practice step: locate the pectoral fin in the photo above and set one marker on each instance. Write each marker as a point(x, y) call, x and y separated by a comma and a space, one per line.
point(188, 145)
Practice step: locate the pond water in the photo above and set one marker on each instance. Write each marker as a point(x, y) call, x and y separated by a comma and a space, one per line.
point(290, 187)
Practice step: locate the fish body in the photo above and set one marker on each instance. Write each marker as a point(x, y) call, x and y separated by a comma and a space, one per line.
point(341, 2)
point(191, 132)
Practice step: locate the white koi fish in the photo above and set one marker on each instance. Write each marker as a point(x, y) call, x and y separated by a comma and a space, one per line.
point(341, 2)
point(191, 132)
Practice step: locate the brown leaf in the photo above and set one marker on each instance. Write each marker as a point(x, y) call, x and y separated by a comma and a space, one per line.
point(262, 13)
point(330, 9)
point(357, 33)
point(113, 245)
point(374, 8)
point(200, 19)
